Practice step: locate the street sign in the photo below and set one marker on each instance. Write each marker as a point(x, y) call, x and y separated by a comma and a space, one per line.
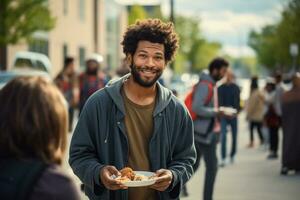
point(294, 49)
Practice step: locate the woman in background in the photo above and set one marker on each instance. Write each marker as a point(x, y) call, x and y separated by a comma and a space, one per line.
point(255, 111)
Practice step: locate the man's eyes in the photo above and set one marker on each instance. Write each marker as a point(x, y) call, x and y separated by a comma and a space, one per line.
point(155, 57)
point(143, 56)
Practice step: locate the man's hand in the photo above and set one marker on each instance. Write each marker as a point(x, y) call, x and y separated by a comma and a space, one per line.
point(110, 183)
point(163, 181)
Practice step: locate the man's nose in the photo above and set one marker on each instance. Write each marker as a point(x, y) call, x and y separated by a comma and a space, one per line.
point(150, 62)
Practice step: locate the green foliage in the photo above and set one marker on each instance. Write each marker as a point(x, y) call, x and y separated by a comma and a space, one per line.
point(264, 44)
point(19, 19)
point(195, 52)
point(136, 12)
point(272, 43)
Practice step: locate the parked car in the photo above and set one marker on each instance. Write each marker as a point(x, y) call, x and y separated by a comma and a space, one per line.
point(31, 60)
point(6, 76)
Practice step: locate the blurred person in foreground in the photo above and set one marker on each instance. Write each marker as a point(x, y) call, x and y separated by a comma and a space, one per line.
point(67, 82)
point(255, 111)
point(92, 79)
point(136, 122)
point(291, 127)
point(33, 134)
point(229, 96)
point(207, 125)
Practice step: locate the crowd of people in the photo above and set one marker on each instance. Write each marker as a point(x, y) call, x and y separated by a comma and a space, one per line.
point(134, 121)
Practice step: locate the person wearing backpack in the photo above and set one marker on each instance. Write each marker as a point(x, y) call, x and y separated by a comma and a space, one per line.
point(206, 123)
point(33, 136)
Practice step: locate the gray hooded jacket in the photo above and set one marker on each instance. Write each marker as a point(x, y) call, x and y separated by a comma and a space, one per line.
point(100, 139)
point(205, 111)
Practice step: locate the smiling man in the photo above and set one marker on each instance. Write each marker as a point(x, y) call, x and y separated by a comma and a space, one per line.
point(136, 122)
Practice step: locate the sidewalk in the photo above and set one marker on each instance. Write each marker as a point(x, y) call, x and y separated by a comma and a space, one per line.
point(251, 177)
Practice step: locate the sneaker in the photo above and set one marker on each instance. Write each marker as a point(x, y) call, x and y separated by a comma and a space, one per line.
point(222, 163)
point(231, 160)
point(250, 145)
point(272, 156)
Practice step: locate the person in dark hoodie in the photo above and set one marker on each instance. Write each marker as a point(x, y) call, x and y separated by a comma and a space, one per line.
point(136, 122)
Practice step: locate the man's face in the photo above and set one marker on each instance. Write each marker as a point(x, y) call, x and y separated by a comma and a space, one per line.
point(148, 63)
point(92, 67)
point(219, 74)
point(70, 69)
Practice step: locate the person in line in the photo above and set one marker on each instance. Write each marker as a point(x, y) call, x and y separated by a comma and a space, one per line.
point(255, 111)
point(92, 79)
point(33, 137)
point(67, 82)
point(207, 125)
point(229, 96)
point(136, 122)
point(291, 127)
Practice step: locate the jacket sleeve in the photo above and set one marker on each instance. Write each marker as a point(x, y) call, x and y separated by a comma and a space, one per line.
point(83, 155)
point(183, 156)
point(198, 105)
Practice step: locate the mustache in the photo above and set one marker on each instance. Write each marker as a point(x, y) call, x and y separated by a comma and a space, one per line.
point(147, 69)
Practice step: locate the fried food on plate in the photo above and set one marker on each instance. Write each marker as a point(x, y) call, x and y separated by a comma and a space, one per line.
point(127, 174)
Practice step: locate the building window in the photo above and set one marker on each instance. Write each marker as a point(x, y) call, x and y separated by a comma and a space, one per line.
point(81, 9)
point(39, 46)
point(81, 57)
point(65, 7)
point(65, 51)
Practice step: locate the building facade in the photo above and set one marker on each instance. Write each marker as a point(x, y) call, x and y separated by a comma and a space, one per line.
point(82, 27)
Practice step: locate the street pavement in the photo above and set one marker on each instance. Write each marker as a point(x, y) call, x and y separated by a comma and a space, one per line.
point(251, 177)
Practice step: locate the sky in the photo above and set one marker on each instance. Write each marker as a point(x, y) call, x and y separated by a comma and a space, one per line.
point(226, 21)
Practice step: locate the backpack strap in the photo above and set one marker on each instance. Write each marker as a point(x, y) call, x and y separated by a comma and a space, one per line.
point(210, 90)
point(18, 178)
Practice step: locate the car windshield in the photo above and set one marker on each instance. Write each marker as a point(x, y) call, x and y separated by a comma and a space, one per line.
point(23, 62)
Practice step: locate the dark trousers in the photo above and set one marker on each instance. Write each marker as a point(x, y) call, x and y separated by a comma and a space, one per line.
point(273, 139)
point(258, 126)
point(71, 117)
point(233, 124)
point(211, 163)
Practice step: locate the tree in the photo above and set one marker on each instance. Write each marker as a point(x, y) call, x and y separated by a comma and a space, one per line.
point(195, 52)
point(264, 44)
point(272, 43)
point(19, 19)
point(136, 12)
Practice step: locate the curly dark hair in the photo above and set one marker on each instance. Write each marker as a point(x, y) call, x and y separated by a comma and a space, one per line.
point(152, 30)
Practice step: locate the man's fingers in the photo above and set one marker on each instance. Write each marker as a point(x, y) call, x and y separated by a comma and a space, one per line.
point(162, 179)
point(160, 172)
point(162, 184)
point(113, 170)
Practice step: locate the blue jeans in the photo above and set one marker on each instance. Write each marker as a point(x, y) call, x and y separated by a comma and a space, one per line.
point(233, 124)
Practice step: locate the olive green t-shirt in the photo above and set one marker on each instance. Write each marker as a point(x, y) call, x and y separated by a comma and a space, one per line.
point(139, 128)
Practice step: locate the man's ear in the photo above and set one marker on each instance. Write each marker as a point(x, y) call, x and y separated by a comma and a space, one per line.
point(128, 59)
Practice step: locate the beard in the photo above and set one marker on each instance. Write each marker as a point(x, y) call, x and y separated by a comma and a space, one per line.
point(217, 77)
point(92, 72)
point(135, 72)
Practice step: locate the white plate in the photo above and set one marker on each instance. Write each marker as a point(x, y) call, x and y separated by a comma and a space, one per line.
point(228, 110)
point(141, 183)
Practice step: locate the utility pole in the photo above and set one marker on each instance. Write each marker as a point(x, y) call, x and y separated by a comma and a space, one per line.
point(172, 19)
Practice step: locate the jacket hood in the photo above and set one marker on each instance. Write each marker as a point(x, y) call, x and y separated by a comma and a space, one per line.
point(113, 88)
point(205, 76)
